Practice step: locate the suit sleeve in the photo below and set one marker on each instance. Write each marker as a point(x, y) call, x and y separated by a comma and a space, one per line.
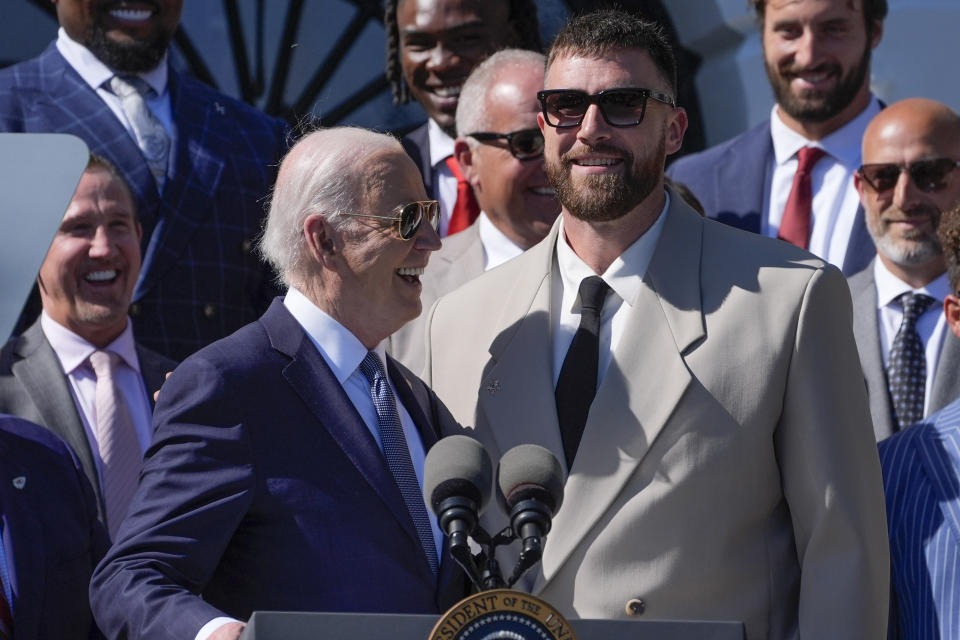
point(195, 488)
point(831, 472)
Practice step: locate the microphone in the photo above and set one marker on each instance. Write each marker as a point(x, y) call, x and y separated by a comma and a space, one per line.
point(457, 483)
point(531, 491)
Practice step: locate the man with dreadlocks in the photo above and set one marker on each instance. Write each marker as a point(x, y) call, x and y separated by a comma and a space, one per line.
point(432, 46)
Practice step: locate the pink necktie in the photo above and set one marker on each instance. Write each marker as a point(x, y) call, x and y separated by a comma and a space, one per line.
point(795, 226)
point(466, 209)
point(117, 440)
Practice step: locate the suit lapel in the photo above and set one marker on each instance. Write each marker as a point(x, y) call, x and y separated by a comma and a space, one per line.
point(42, 377)
point(741, 205)
point(517, 389)
point(939, 446)
point(863, 290)
point(946, 381)
point(316, 385)
point(860, 250)
point(23, 543)
point(188, 191)
point(643, 384)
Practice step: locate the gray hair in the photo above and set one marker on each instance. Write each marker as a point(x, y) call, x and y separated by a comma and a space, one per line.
point(472, 112)
point(324, 173)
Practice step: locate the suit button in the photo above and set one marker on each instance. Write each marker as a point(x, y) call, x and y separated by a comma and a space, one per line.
point(135, 309)
point(209, 310)
point(636, 607)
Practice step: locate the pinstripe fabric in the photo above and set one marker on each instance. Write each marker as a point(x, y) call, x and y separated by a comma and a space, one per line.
point(200, 278)
point(921, 477)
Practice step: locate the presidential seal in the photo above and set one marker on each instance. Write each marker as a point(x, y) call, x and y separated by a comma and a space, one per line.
point(502, 614)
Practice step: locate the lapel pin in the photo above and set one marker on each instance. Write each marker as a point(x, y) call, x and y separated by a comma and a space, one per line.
point(20, 482)
point(220, 108)
point(493, 386)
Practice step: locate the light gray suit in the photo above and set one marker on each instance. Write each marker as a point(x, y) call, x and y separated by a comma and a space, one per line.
point(946, 379)
point(727, 468)
point(34, 387)
point(459, 260)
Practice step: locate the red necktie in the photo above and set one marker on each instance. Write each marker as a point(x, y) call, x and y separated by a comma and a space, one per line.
point(795, 226)
point(466, 209)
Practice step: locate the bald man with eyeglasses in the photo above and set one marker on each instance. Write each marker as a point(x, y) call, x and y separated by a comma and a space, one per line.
point(500, 151)
point(909, 178)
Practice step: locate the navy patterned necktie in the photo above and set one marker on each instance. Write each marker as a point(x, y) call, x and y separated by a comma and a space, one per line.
point(398, 454)
point(577, 383)
point(907, 370)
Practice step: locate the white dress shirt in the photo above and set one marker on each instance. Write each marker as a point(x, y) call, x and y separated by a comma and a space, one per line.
point(73, 353)
point(343, 353)
point(931, 325)
point(835, 200)
point(625, 278)
point(497, 247)
point(98, 75)
point(444, 182)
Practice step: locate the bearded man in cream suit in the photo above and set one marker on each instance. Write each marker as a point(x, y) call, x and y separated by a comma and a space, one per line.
point(711, 415)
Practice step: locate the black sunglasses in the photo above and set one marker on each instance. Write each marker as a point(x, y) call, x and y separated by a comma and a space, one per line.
point(409, 216)
point(928, 175)
point(524, 144)
point(565, 108)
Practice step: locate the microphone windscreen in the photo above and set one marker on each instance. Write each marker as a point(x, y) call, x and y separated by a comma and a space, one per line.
point(457, 466)
point(529, 470)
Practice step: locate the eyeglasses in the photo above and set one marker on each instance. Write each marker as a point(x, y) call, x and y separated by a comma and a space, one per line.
point(565, 108)
point(409, 217)
point(524, 144)
point(928, 175)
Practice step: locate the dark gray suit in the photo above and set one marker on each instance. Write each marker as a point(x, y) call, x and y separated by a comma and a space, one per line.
point(946, 380)
point(34, 387)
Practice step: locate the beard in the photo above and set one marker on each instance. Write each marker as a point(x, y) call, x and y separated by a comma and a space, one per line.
point(136, 56)
point(606, 197)
point(818, 106)
point(912, 248)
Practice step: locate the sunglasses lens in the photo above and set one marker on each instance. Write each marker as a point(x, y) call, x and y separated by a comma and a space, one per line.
point(410, 216)
point(929, 175)
point(882, 177)
point(623, 106)
point(565, 108)
point(527, 144)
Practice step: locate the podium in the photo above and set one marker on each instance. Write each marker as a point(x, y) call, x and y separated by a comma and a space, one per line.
point(277, 625)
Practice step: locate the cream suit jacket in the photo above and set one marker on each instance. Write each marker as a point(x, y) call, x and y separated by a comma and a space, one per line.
point(727, 469)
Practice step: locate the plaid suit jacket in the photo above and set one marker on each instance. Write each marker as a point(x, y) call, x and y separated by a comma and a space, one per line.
point(200, 279)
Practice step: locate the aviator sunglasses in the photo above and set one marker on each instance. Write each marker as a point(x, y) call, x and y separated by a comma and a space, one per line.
point(928, 175)
point(565, 108)
point(524, 144)
point(409, 216)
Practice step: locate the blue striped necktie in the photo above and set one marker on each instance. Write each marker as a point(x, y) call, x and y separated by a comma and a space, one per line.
point(398, 454)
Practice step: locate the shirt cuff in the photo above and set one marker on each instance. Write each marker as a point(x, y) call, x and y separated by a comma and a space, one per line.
point(207, 630)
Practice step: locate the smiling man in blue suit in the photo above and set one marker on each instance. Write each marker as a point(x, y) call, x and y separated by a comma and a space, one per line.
point(198, 162)
point(287, 464)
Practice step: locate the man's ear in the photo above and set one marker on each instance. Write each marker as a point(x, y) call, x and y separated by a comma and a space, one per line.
point(320, 237)
point(951, 309)
point(463, 152)
point(858, 185)
point(676, 127)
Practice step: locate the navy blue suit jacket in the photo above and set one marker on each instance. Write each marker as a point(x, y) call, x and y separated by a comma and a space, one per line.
point(417, 145)
point(200, 279)
point(921, 479)
point(51, 536)
point(264, 490)
point(729, 181)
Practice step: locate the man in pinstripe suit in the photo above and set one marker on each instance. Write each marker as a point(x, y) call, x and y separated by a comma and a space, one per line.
point(199, 200)
point(921, 478)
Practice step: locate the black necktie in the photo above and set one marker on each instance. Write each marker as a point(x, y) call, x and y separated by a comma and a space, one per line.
point(907, 370)
point(577, 384)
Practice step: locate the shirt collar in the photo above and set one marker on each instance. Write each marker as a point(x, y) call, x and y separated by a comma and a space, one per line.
point(843, 145)
point(625, 274)
point(890, 287)
point(95, 73)
point(342, 350)
point(74, 351)
point(441, 145)
point(497, 247)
